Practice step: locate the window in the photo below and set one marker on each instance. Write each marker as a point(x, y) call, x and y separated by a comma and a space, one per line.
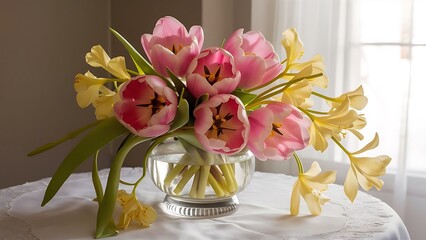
point(387, 55)
point(380, 44)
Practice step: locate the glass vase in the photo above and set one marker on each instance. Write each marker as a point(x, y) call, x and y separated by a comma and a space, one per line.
point(197, 183)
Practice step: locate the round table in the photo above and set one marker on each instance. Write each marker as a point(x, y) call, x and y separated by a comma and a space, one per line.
point(263, 213)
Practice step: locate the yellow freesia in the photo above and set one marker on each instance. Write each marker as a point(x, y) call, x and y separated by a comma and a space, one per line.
point(317, 65)
point(87, 87)
point(311, 185)
point(357, 125)
point(331, 124)
point(356, 98)
point(104, 103)
point(132, 209)
point(299, 93)
point(365, 171)
point(97, 57)
point(293, 46)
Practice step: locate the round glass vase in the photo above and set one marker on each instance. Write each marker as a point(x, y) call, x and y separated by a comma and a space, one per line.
point(199, 184)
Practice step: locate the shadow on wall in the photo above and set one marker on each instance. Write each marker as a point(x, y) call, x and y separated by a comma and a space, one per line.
point(42, 49)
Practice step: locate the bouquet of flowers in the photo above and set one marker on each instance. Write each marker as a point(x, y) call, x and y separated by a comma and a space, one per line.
point(223, 100)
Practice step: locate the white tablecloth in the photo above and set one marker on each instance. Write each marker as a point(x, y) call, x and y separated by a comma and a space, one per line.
point(263, 214)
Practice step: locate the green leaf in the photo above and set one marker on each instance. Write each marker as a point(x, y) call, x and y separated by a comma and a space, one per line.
point(140, 71)
point(99, 136)
point(140, 62)
point(202, 99)
point(245, 97)
point(96, 180)
point(190, 138)
point(104, 227)
point(67, 137)
point(176, 81)
point(180, 87)
point(182, 115)
point(109, 231)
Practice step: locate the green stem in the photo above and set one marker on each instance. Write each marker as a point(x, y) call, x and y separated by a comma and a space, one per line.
point(155, 143)
point(274, 88)
point(194, 187)
point(173, 173)
point(185, 178)
point(280, 88)
point(95, 179)
point(219, 178)
point(216, 186)
point(268, 83)
point(317, 112)
point(341, 146)
point(115, 80)
point(325, 97)
point(67, 137)
point(232, 172)
point(268, 94)
point(299, 163)
point(202, 182)
point(312, 117)
point(126, 183)
point(104, 225)
point(228, 177)
point(133, 72)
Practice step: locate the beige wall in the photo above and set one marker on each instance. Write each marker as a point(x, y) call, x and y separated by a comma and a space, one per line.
point(42, 48)
point(222, 17)
point(140, 18)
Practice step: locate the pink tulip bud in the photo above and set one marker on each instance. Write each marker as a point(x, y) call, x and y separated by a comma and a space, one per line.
point(254, 58)
point(221, 124)
point(147, 106)
point(276, 131)
point(171, 46)
point(212, 72)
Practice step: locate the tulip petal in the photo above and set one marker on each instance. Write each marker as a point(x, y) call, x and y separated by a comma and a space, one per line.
point(212, 72)
point(171, 46)
point(221, 124)
point(147, 106)
point(254, 58)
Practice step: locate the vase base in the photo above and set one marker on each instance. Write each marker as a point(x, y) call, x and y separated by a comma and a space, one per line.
point(201, 210)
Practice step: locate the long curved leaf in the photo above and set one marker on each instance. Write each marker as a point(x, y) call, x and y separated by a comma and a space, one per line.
point(182, 115)
point(179, 86)
point(105, 227)
point(137, 58)
point(67, 137)
point(245, 97)
point(98, 137)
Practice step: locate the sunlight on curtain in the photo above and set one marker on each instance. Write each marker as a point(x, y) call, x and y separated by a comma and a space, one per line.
point(320, 27)
point(380, 44)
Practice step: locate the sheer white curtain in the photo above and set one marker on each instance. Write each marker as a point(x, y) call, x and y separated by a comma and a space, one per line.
point(370, 43)
point(321, 26)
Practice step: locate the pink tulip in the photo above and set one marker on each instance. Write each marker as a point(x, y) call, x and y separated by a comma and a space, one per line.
point(276, 131)
point(221, 124)
point(171, 46)
point(212, 72)
point(254, 58)
point(147, 106)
